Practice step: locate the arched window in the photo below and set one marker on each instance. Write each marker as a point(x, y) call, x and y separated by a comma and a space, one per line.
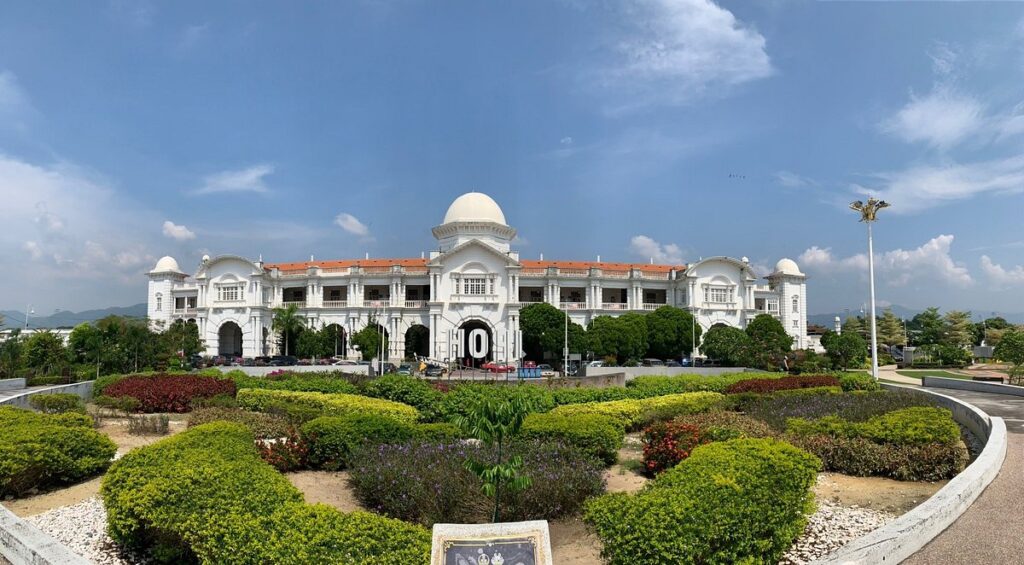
point(159, 302)
point(796, 304)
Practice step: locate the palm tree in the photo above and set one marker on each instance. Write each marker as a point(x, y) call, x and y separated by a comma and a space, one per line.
point(287, 322)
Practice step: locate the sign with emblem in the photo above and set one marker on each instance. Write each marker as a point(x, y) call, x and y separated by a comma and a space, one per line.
point(509, 543)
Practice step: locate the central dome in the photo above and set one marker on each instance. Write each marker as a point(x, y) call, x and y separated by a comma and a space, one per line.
point(474, 207)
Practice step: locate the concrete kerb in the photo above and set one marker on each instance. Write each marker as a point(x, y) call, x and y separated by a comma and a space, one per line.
point(976, 386)
point(20, 542)
point(910, 532)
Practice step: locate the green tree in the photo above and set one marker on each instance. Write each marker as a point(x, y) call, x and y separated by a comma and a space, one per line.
point(670, 333)
point(45, 352)
point(727, 345)
point(184, 337)
point(855, 324)
point(368, 341)
point(11, 353)
point(1011, 350)
point(890, 329)
point(622, 338)
point(957, 330)
point(927, 327)
point(287, 323)
point(845, 350)
point(314, 344)
point(543, 328)
point(494, 421)
point(769, 341)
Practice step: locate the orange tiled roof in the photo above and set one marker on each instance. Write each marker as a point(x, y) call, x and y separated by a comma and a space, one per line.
point(347, 263)
point(603, 265)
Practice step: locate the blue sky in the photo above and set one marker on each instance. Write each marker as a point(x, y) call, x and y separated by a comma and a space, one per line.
point(631, 130)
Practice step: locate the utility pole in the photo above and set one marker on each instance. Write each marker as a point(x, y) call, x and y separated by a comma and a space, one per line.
point(868, 212)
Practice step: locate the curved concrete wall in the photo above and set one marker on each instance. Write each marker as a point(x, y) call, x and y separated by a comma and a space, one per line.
point(83, 389)
point(977, 386)
point(902, 537)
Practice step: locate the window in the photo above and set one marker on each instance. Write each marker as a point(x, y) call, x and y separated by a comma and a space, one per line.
point(474, 286)
point(773, 306)
point(717, 294)
point(796, 304)
point(796, 324)
point(159, 302)
point(231, 293)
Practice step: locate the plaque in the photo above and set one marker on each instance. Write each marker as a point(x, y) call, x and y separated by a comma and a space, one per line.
point(509, 543)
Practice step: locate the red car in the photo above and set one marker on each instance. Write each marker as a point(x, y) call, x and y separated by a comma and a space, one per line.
point(498, 367)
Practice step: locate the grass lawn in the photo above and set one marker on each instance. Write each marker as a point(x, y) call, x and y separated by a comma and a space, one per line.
point(918, 373)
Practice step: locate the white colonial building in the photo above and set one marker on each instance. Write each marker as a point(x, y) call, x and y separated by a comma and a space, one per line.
point(464, 300)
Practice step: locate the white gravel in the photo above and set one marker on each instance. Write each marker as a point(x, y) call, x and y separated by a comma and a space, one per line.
point(832, 527)
point(82, 528)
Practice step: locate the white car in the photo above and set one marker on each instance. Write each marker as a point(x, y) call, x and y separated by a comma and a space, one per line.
point(343, 363)
point(595, 364)
point(546, 370)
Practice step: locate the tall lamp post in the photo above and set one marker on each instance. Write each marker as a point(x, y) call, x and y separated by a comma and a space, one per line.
point(868, 212)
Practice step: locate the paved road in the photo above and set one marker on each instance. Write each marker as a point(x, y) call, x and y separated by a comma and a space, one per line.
point(990, 532)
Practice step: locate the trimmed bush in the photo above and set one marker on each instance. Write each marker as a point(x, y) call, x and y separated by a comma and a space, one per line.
point(862, 457)
point(660, 385)
point(441, 432)
point(633, 413)
point(718, 425)
point(204, 495)
point(408, 390)
point(263, 426)
point(122, 404)
point(57, 403)
point(43, 450)
point(762, 386)
point(462, 396)
point(328, 382)
point(169, 393)
point(855, 406)
point(739, 501)
point(909, 426)
point(581, 395)
point(595, 434)
point(333, 439)
point(325, 404)
point(858, 381)
point(668, 443)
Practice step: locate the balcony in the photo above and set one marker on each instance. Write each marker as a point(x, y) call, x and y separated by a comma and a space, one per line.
point(614, 306)
point(297, 303)
point(376, 303)
point(335, 303)
point(615, 274)
point(572, 305)
point(654, 276)
point(415, 304)
point(186, 311)
point(580, 273)
point(294, 273)
point(651, 306)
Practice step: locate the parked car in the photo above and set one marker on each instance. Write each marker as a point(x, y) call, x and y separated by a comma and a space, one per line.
point(248, 362)
point(672, 363)
point(435, 371)
point(386, 368)
point(546, 370)
point(283, 361)
point(343, 362)
point(529, 364)
point(405, 369)
point(261, 361)
point(595, 364)
point(494, 367)
point(653, 363)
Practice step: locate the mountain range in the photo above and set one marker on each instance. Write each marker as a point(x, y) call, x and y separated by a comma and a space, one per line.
point(68, 319)
point(828, 320)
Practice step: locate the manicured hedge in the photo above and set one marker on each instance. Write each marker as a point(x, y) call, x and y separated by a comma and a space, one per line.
point(43, 450)
point(909, 426)
point(632, 413)
point(326, 404)
point(595, 434)
point(739, 501)
point(717, 425)
point(763, 386)
point(57, 403)
point(580, 395)
point(169, 393)
point(658, 385)
point(855, 406)
point(204, 495)
point(304, 382)
point(458, 400)
point(417, 393)
point(333, 439)
point(263, 426)
point(858, 381)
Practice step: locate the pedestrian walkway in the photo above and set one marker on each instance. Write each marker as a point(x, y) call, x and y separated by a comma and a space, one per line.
point(989, 532)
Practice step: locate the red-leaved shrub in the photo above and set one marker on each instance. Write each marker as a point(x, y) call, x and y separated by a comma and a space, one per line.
point(169, 393)
point(668, 443)
point(285, 454)
point(785, 383)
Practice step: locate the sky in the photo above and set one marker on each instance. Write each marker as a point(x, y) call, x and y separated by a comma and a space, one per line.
point(635, 130)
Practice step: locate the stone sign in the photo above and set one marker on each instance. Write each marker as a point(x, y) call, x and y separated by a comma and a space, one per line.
point(510, 543)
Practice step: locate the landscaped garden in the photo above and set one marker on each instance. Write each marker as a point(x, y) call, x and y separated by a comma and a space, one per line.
point(328, 468)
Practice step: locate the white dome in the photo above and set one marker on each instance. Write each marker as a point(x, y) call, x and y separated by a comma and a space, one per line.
point(787, 267)
point(166, 264)
point(474, 207)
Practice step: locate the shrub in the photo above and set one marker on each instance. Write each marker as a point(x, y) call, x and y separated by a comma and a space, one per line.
point(123, 404)
point(262, 426)
point(718, 425)
point(328, 382)
point(42, 450)
point(219, 401)
point(169, 393)
point(148, 425)
point(333, 439)
point(408, 390)
point(863, 458)
point(204, 495)
point(659, 385)
point(288, 453)
point(785, 383)
point(441, 432)
point(739, 501)
point(427, 482)
point(668, 443)
point(858, 381)
point(595, 434)
point(854, 406)
point(325, 404)
point(462, 396)
point(632, 413)
point(909, 426)
point(582, 394)
point(57, 403)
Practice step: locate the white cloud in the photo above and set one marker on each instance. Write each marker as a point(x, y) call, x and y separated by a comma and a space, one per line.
point(13, 99)
point(176, 232)
point(941, 119)
point(648, 248)
point(351, 224)
point(790, 179)
point(565, 140)
point(244, 180)
point(190, 36)
point(33, 249)
point(929, 262)
point(681, 48)
point(926, 186)
point(1000, 275)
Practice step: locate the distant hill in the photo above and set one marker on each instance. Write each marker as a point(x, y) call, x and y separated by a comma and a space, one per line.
point(66, 319)
point(828, 320)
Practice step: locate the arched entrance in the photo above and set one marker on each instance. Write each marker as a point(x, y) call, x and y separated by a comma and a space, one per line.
point(229, 339)
point(417, 341)
point(337, 339)
point(477, 343)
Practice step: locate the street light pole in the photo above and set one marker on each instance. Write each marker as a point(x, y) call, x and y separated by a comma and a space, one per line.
point(28, 312)
point(565, 347)
point(868, 212)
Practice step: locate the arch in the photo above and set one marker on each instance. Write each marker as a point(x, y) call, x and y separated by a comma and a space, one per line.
point(229, 339)
point(417, 341)
point(338, 339)
point(474, 268)
point(476, 345)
